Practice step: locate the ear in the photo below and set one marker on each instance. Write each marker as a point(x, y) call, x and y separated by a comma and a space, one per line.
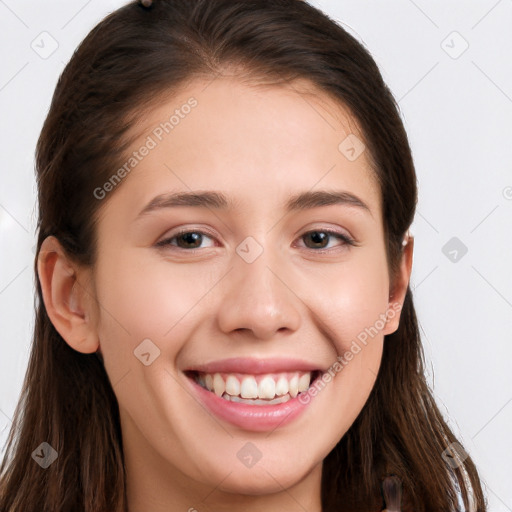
point(399, 287)
point(65, 297)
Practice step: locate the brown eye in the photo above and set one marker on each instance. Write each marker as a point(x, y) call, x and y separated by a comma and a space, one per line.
point(190, 239)
point(319, 239)
point(185, 240)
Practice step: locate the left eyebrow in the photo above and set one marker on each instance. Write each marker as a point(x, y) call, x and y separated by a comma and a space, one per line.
point(218, 201)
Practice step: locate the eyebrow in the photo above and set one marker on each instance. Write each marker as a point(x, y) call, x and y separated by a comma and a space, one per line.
point(218, 201)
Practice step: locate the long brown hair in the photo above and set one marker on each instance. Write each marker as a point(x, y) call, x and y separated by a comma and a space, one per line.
point(130, 58)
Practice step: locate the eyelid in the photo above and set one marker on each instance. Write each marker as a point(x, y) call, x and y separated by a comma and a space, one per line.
point(345, 238)
point(181, 231)
point(337, 230)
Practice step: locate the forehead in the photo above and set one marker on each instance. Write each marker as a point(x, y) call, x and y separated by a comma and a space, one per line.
point(250, 140)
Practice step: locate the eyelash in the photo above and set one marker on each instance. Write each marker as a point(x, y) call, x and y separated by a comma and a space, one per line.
point(344, 238)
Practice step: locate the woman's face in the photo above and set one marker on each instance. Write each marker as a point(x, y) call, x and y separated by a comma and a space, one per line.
point(257, 290)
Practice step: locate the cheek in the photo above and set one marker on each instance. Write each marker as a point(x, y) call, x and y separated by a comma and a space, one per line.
point(132, 308)
point(140, 300)
point(351, 304)
point(352, 298)
point(145, 297)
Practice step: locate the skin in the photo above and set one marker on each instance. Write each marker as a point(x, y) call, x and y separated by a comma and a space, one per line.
point(291, 301)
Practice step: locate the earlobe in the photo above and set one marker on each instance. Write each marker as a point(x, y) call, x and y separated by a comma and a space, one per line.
point(65, 298)
point(399, 287)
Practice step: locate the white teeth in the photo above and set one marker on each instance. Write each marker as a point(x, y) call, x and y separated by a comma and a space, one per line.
point(267, 387)
point(232, 385)
point(303, 382)
point(294, 386)
point(282, 386)
point(270, 387)
point(249, 388)
point(219, 386)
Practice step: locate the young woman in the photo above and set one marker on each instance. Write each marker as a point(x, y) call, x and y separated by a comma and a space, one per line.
point(224, 318)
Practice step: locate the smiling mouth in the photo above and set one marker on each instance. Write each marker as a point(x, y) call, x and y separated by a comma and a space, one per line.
point(264, 389)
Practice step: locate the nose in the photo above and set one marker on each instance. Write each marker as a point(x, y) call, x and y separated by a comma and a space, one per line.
point(258, 299)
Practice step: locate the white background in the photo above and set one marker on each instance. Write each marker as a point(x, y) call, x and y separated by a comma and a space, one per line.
point(457, 108)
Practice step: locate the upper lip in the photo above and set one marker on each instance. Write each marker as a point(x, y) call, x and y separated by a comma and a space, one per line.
point(255, 366)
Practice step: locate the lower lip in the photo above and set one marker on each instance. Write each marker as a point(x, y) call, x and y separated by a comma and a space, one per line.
point(258, 418)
